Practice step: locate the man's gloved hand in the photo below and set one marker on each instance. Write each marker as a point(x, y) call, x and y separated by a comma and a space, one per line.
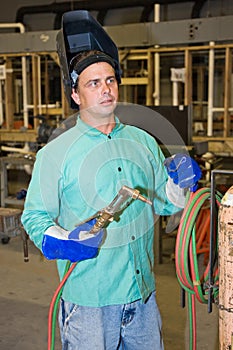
point(76, 245)
point(184, 171)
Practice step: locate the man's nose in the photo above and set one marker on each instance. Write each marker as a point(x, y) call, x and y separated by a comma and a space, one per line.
point(105, 87)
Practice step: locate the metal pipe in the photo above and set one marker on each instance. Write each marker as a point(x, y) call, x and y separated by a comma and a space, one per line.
point(20, 26)
point(212, 237)
point(39, 84)
point(157, 61)
point(221, 109)
point(175, 100)
point(25, 245)
point(52, 105)
point(210, 91)
point(25, 99)
point(1, 104)
point(197, 7)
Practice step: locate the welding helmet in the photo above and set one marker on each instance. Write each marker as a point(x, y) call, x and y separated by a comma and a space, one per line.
point(81, 32)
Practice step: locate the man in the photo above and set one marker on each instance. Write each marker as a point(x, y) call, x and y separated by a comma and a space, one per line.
point(109, 301)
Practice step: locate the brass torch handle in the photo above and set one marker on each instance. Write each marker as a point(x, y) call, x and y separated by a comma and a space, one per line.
point(100, 222)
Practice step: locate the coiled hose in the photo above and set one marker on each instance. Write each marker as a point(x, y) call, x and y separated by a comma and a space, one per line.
point(186, 259)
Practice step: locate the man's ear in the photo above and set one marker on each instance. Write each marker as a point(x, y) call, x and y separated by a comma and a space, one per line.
point(75, 96)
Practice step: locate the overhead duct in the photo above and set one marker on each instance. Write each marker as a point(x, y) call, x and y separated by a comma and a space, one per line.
point(101, 6)
point(197, 7)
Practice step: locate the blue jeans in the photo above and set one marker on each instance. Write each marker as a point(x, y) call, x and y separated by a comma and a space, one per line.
point(134, 326)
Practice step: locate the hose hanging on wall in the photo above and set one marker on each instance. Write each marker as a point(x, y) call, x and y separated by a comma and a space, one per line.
point(186, 258)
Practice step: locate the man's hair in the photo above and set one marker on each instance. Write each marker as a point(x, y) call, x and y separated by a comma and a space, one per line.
point(86, 58)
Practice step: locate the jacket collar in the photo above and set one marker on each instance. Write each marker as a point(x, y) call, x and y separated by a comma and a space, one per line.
point(86, 128)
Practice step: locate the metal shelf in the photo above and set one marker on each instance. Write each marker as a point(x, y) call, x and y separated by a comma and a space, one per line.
point(6, 198)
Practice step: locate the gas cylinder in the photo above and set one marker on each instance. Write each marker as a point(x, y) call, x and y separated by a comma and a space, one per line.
point(225, 256)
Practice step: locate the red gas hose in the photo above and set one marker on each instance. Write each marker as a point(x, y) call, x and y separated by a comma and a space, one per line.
point(53, 306)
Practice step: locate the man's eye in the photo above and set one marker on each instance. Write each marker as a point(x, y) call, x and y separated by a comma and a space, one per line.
point(111, 80)
point(93, 83)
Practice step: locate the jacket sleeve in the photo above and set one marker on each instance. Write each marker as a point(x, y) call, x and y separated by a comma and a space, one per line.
point(42, 200)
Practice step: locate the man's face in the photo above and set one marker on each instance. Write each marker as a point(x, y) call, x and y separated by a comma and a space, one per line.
point(97, 91)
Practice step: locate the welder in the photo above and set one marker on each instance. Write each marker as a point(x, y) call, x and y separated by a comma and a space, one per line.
point(109, 300)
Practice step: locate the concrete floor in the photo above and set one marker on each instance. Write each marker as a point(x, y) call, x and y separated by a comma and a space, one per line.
point(27, 289)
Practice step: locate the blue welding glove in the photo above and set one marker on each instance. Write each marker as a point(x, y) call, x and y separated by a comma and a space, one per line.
point(184, 171)
point(76, 245)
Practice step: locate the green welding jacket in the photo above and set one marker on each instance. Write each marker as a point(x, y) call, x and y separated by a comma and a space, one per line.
point(79, 173)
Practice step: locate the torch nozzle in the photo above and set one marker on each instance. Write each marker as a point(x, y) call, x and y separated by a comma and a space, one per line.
point(144, 199)
point(135, 194)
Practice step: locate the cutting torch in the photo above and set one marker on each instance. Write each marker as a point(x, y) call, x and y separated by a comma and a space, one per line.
point(121, 201)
